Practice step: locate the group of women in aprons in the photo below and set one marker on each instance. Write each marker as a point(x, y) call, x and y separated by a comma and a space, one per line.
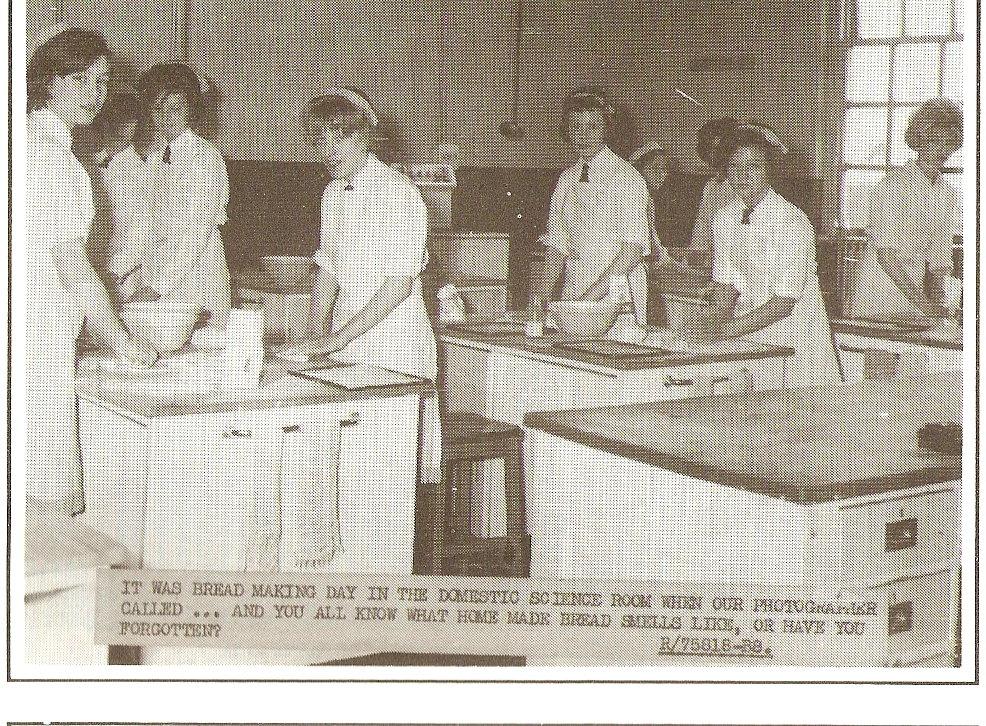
point(167, 192)
point(764, 283)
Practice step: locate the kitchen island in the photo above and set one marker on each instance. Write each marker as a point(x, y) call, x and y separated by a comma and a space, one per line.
point(818, 487)
point(863, 345)
point(505, 376)
point(178, 475)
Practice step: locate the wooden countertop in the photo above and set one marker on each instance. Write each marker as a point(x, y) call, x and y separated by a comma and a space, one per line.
point(544, 349)
point(139, 397)
point(869, 329)
point(805, 445)
point(256, 279)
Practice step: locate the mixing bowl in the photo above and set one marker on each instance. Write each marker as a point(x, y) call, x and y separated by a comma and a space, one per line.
point(165, 325)
point(584, 318)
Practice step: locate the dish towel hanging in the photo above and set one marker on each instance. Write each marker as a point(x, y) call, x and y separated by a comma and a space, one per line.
point(296, 502)
point(310, 537)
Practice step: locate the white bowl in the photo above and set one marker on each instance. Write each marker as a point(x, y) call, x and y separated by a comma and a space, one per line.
point(165, 325)
point(584, 318)
point(287, 269)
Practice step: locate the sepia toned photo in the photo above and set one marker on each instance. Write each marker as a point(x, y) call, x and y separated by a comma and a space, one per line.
point(519, 334)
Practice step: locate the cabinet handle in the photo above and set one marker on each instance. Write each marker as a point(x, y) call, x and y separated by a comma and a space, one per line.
point(237, 434)
point(717, 381)
point(670, 382)
point(291, 428)
point(351, 421)
point(900, 618)
point(902, 535)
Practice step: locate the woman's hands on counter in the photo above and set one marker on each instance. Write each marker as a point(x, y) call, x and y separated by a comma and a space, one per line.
point(135, 349)
point(312, 347)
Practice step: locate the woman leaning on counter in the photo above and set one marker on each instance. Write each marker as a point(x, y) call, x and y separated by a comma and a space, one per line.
point(597, 223)
point(765, 282)
point(368, 302)
point(185, 260)
point(66, 81)
point(914, 214)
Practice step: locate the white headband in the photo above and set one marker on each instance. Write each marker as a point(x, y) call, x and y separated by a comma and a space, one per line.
point(644, 150)
point(358, 101)
point(768, 135)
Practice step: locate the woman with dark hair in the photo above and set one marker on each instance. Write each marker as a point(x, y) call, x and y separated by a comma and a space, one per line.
point(914, 215)
point(765, 281)
point(368, 301)
point(66, 79)
point(597, 223)
point(121, 183)
point(185, 259)
point(717, 192)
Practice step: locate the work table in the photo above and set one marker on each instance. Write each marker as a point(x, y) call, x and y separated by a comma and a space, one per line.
point(806, 445)
point(872, 329)
point(142, 395)
point(546, 349)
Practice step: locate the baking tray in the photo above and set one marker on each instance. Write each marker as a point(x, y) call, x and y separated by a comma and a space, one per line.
point(611, 348)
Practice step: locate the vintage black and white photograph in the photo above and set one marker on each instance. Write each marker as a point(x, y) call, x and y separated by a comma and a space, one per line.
point(499, 333)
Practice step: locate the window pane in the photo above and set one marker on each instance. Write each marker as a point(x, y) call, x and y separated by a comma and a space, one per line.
point(900, 152)
point(868, 75)
point(878, 18)
point(952, 87)
point(864, 136)
point(959, 16)
point(956, 160)
point(916, 71)
point(856, 186)
point(927, 17)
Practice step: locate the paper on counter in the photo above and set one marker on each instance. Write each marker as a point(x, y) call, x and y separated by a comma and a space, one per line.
point(358, 376)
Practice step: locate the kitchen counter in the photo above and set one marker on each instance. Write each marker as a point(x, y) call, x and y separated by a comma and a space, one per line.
point(545, 349)
point(143, 395)
point(806, 445)
point(257, 279)
point(870, 329)
point(821, 488)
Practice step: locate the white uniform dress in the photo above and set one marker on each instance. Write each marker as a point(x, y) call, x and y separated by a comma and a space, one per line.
point(589, 221)
point(774, 255)
point(127, 181)
point(916, 217)
point(185, 260)
point(59, 212)
point(716, 194)
point(378, 229)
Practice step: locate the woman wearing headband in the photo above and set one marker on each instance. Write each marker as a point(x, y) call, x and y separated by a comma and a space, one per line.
point(597, 224)
point(914, 214)
point(368, 302)
point(185, 260)
point(66, 81)
point(765, 281)
point(717, 192)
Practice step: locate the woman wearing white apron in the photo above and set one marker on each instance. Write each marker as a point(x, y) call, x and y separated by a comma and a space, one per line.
point(914, 214)
point(368, 302)
point(765, 281)
point(598, 220)
point(66, 78)
point(185, 260)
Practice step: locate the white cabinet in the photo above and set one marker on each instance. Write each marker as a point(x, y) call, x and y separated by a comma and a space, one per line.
point(179, 491)
point(865, 357)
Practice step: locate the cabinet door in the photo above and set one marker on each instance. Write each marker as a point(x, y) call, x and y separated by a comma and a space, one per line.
point(200, 488)
point(378, 473)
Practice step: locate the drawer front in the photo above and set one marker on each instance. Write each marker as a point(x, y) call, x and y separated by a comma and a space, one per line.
point(899, 537)
point(920, 618)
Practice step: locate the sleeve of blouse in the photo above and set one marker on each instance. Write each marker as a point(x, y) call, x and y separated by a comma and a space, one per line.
point(635, 211)
point(324, 256)
point(557, 234)
point(404, 245)
point(722, 267)
point(201, 208)
point(67, 218)
point(795, 259)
